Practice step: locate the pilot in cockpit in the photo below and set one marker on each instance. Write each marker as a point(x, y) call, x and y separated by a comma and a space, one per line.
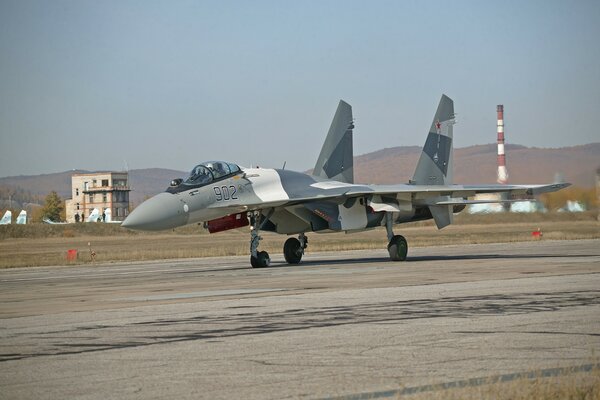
point(218, 169)
point(199, 175)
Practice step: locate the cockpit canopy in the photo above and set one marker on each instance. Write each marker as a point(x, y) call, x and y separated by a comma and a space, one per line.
point(209, 171)
point(203, 174)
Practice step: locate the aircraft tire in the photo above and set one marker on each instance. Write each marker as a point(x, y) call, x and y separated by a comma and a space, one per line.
point(261, 260)
point(398, 248)
point(292, 251)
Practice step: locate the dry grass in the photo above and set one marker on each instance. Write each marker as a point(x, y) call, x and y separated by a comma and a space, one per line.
point(568, 385)
point(38, 245)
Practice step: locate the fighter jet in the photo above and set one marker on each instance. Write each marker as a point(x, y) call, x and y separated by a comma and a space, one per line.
point(223, 195)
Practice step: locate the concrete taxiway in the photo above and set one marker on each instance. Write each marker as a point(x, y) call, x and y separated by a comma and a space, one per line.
point(339, 324)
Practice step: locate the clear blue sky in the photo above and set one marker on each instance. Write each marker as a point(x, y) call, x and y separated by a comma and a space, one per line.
point(95, 84)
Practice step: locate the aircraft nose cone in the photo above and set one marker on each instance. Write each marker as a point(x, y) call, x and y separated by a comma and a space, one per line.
point(163, 211)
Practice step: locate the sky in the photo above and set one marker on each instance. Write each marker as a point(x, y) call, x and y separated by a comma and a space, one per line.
point(113, 85)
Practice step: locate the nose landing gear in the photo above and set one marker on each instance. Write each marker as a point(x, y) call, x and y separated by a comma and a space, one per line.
point(258, 259)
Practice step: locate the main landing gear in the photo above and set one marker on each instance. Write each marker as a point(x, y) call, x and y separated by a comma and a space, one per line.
point(397, 246)
point(293, 249)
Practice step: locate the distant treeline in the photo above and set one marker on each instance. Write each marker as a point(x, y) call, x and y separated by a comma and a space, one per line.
point(586, 196)
point(18, 195)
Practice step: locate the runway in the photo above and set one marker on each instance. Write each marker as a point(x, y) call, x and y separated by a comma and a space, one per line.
point(338, 325)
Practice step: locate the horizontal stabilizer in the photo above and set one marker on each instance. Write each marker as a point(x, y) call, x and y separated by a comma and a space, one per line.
point(547, 188)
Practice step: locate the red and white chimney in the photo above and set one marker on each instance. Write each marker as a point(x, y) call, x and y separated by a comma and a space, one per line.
point(502, 172)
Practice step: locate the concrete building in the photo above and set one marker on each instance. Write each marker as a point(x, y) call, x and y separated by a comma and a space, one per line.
point(106, 191)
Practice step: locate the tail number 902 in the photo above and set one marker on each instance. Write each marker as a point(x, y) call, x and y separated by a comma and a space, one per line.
point(225, 193)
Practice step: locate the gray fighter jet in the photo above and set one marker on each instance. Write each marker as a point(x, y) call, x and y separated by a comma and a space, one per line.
point(225, 196)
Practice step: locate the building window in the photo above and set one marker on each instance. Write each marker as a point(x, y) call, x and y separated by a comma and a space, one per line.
point(104, 198)
point(94, 183)
point(76, 191)
point(104, 182)
point(91, 197)
point(78, 206)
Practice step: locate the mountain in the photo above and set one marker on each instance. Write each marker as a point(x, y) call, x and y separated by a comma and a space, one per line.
point(473, 164)
point(150, 181)
point(477, 164)
point(143, 182)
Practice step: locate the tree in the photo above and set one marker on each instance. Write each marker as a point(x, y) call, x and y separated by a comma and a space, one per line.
point(53, 207)
point(556, 200)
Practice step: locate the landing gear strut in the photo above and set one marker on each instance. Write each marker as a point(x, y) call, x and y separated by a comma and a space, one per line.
point(293, 249)
point(258, 259)
point(397, 246)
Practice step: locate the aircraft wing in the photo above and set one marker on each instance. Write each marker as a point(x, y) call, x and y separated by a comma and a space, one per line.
point(439, 199)
point(392, 195)
point(455, 194)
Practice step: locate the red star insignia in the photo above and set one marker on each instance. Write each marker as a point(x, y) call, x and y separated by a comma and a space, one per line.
point(438, 125)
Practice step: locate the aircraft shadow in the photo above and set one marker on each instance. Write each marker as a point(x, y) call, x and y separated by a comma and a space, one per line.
point(412, 259)
point(490, 257)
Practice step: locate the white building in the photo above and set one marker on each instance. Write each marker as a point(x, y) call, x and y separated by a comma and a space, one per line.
point(106, 191)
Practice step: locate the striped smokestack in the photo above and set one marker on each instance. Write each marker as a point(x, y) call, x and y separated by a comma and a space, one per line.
point(502, 172)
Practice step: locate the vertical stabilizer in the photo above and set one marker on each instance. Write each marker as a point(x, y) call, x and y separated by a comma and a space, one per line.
point(94, 215)
point(22, 218)
point(435, 164)
point(336, 158)
point(436, 161)
point(7, 218)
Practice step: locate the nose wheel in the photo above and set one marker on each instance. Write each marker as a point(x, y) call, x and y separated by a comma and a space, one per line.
point(261, 260)
point(258, 259)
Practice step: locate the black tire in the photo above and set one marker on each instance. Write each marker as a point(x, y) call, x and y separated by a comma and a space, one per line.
point(292, 251)
point(398, 248)
point(261, 260)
